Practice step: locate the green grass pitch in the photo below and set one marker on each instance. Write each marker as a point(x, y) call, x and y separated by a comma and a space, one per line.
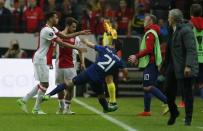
point(13, 119)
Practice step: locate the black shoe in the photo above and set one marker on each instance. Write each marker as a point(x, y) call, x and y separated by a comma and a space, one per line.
point(187, 122)
point(111, 109)
point(172, 119)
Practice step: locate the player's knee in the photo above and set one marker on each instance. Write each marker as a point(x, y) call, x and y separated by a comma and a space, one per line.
point(147, 88)
point(44, 84)
point(69, 89)
point(109, 79)
point(69, 83)
point(61, 95)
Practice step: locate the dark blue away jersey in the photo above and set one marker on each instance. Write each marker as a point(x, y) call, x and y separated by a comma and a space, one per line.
point(106, 63)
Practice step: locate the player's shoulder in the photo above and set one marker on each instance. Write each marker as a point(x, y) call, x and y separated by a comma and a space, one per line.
point(100, 48)
point(55, 29)
point(109, 49)
point(46, 29)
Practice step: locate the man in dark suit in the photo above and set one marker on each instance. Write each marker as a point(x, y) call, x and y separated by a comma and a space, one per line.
point(5, 18)
point(185, 64)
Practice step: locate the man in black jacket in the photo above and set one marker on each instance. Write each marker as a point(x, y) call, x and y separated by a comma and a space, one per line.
point(5, 18)
point(185, 65)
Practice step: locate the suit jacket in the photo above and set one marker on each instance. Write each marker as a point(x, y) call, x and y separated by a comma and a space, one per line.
point(168, 62)
point(183, 50)
point(5, 20)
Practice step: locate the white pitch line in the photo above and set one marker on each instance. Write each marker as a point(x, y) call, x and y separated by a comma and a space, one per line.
point(200, 127)
point(107, 117)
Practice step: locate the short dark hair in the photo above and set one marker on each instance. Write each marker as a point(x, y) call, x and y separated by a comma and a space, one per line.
point(196, 10)
point(70, 20)
point(50, 15)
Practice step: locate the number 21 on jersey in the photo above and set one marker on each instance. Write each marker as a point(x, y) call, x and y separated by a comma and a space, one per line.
point(106, 65)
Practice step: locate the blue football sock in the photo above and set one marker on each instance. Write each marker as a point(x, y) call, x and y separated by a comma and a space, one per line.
point(201, 91)
point(58, 89)
point(147, 101)
point(156, 92)
point(103, 103)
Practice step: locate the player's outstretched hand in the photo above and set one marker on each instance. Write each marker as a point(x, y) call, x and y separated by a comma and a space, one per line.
point(88, 43)
point(82, 66)
point(132, 59)
point(85, 32)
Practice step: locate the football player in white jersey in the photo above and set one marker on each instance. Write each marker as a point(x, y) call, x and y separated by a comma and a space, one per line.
point(65, 66)
point(48, 36)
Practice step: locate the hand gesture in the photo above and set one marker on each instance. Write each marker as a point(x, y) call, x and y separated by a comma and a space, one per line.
point(82, 66)
point(85, 32)
point(187, 71)
point(133, 59)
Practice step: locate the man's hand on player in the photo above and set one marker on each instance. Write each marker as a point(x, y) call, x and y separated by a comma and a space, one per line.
point(82, 66)
point(133, 59)
point(85, 32)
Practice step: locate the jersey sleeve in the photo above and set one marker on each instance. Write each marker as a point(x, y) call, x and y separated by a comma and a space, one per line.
point(48, 34)
point(99, 48)
point(56, 31)
point(77, 42)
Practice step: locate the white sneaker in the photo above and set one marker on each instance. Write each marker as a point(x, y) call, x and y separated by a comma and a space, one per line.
point(60, 111)
point(22, 105)
point(68, 112)
point(38, 112)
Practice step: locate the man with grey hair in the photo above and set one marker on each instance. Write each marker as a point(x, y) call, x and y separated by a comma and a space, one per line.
point(184, 60)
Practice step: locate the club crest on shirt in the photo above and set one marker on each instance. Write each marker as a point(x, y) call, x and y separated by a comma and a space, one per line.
point(51, 34)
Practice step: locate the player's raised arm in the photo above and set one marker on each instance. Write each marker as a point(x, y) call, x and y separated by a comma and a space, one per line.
point(88, 43)
point(65, 36)
point(60, 42)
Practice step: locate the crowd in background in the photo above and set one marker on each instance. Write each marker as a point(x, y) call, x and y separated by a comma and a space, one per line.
point(21, 16)
point(128, 15)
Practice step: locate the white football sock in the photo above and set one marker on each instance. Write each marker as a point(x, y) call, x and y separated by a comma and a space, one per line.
point(31, 94)
point(67, 104)
point(40, 94)
point(61, 103)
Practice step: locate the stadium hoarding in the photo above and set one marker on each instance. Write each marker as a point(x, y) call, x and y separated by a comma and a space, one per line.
point(17, 77)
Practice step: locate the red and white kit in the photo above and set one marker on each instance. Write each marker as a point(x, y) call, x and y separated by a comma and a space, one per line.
point(65, 62)
point(41, 56)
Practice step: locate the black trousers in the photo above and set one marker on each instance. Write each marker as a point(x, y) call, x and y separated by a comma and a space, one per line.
point(171, 86)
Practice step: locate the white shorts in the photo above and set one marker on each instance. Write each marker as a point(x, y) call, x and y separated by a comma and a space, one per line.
point(41, 72)
point(65, 74)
